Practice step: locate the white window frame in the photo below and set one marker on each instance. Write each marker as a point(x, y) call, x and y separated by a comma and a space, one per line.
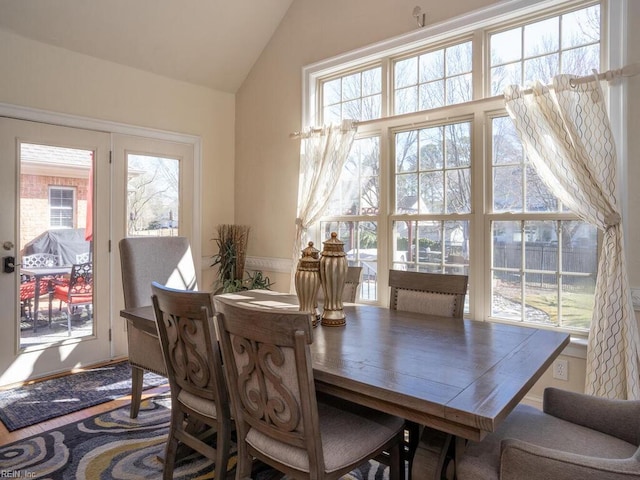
point(477, 24)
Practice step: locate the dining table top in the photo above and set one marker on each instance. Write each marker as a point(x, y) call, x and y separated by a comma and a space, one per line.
point(459, 376)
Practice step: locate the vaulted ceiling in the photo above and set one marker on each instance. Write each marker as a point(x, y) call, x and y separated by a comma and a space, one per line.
point(213, 43)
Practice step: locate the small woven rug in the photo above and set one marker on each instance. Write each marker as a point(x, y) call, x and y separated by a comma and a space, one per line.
point(31, 404)
point(113, 446)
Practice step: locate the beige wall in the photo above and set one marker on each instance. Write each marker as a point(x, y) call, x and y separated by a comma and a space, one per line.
point(49, 78)
point(268, 109)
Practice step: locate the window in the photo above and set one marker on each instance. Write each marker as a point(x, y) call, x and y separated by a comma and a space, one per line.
point(440, 183)
point(61, 207)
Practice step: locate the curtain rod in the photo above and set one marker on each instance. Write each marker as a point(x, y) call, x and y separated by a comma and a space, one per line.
point(610, 75)
point(294, 135)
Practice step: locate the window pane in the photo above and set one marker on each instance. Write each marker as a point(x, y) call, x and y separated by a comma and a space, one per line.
point(431, 95)
point(507, 188)
point(371, 82)
point(579, 60)
point(431, 193)
point(459, 59)
point(431, 66)
point(406, 151)
point(153, 195)
point(505, 75)
point(459, 89)
point(541, 37)
point(458, 191)
point(539, 197)
point(541, 68)
point(458, 145)
point(406, 100)
point(351, 87)
point(406, 72)
point(506, 46)
point(581, 27)
point(331, 91)
point(371, 107)
point(431, 148)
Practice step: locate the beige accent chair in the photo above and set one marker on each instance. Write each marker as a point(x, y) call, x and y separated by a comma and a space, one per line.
point(168, 261)
point(429, 294)
point(194, 367)
point(575, 436)
point(351, 284)
point(279, 418)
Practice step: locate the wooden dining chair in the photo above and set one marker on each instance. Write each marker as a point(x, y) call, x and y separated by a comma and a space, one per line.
point(198, 390)
point(430, 294)
point(168, 261)
point(279, 418)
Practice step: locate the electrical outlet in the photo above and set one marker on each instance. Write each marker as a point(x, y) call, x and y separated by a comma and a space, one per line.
point(561, 369)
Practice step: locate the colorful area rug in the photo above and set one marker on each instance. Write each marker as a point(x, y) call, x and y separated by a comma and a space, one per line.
point(113, 446)
point(35, 403)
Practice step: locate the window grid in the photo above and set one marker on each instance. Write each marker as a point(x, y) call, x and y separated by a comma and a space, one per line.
point(61, 207)
point(487, 206)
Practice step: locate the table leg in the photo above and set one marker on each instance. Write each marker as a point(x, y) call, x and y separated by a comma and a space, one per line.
point(431, 460)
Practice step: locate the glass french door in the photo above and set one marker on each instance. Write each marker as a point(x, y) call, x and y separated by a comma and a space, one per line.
point(155, 194)
point(55, 251)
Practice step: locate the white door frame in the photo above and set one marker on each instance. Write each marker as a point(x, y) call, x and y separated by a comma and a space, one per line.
point(65, 120)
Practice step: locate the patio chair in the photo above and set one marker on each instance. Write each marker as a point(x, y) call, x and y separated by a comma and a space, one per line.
point(78, 292)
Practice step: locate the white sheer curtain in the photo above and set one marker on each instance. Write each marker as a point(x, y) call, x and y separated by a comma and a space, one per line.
point(566, 134)
point(323, 153)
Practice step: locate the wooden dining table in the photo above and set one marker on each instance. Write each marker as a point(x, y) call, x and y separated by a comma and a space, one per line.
point(459, 376)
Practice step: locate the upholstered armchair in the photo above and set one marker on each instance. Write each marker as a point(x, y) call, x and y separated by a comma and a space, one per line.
point(575, 436)
point(168, 261)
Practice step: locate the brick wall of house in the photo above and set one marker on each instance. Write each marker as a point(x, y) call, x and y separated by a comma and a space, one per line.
point(34, 203)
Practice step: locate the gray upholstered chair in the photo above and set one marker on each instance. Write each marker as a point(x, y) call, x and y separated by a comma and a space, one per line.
point(194, 367)
point(576, 436)
point(168, 261)
point(279, 418)
point(430, 294)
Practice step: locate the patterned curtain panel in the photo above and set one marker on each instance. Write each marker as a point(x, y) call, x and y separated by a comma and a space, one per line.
point(566, 135)
point(323, 153)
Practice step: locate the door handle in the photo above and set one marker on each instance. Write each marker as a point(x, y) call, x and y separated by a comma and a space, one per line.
point(9, 264)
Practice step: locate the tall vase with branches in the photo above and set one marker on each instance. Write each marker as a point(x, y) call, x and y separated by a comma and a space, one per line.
point(232, 249)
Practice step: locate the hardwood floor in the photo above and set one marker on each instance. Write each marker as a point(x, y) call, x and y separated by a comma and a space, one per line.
point(7, 437)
